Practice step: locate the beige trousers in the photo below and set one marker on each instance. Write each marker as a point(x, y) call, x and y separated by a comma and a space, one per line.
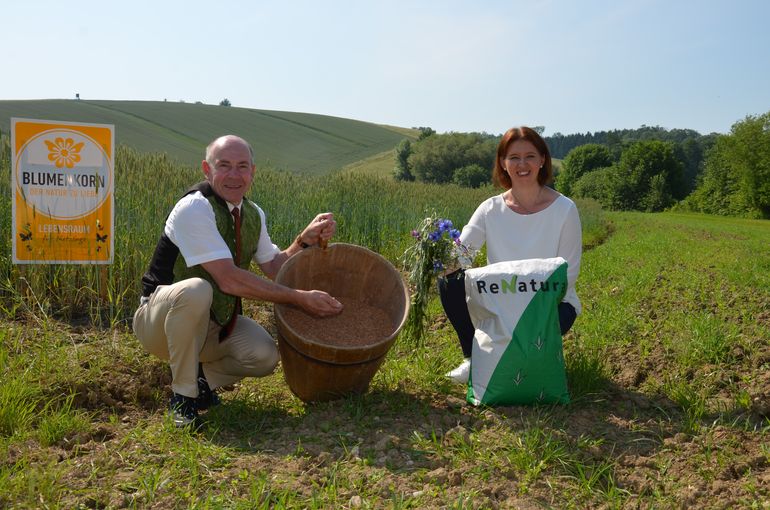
point(175, 326)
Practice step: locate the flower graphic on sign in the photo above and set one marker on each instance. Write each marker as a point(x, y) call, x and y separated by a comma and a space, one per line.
point(64, 151)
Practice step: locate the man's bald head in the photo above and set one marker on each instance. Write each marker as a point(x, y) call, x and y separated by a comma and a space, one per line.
point(224, 141)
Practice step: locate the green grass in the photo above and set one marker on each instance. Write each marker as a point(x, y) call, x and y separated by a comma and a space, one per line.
point(302, 142)
point(382, 164)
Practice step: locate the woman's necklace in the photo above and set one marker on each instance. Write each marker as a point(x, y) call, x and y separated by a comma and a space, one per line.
point(517, 202)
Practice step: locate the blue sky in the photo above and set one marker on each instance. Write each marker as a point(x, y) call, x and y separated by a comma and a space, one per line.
point(571, 66)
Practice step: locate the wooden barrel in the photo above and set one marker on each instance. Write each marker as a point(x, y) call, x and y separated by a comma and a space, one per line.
point(319, 371)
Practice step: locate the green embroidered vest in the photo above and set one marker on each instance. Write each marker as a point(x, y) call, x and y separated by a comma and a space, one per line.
point(223, 305)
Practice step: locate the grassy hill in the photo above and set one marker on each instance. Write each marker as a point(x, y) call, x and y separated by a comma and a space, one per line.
point(286, 140)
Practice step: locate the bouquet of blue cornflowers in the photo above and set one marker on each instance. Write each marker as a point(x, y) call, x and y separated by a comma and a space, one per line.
point(437, 247)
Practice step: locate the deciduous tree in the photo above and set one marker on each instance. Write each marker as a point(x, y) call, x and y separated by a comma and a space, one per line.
point(639, 165)
point(402, 171)
point(472, 176)
point(579, 162)
point(736, 177)
point(436, 158)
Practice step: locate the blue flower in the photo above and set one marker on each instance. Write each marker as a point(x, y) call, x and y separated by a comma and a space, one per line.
point(437, 265)
point(434, 236)
point(454, 234)
point(444, 225)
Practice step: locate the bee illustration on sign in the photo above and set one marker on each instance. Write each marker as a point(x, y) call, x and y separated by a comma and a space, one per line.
point(26, 236)
point(100, 238)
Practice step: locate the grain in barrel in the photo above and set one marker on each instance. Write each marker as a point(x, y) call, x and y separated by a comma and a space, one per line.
point(359, 324)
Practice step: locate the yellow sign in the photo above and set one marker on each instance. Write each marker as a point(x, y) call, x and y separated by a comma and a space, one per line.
point(63, 187)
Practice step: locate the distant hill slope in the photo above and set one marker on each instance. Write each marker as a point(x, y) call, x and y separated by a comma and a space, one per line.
point(285, 140)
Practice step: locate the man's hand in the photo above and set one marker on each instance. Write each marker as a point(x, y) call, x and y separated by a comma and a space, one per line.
point(319, 303)
point(322, 227)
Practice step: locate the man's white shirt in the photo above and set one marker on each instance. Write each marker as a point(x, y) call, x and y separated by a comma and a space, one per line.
point(192, 227)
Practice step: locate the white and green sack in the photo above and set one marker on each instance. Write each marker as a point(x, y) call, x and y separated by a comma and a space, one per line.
point(517, 353)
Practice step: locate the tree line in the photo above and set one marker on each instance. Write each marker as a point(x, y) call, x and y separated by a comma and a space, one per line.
point(560, 145)
point(646, 169)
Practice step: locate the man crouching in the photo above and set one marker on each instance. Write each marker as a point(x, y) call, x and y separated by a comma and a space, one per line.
point(190, 308)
